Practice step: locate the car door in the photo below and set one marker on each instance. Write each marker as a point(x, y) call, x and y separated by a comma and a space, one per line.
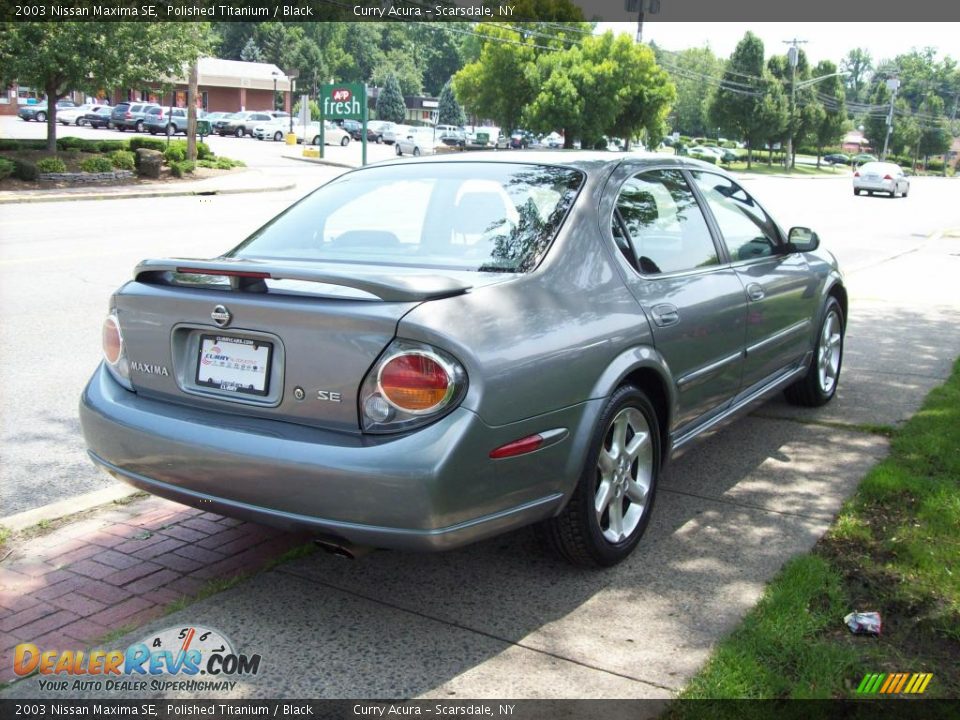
point(695, 306)
point(781, 292)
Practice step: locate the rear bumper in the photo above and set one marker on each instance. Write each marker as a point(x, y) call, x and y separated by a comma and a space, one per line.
point(432, 489)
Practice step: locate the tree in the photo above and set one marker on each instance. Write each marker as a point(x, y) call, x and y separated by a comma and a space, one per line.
point(250, 52)
point(502, 82)
point(390, 104)
point(829, 130)
point(403, 67)
point(858, 66)
point(64, 56)
point(449, 111)
point(694, 72)
point(736, 105)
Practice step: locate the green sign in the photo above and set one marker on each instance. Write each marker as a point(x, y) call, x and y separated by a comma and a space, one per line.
point(343, 101)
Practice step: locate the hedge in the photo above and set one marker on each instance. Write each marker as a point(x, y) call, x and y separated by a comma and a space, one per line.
point(51, 165)
point(179, 169)
point(148, 143)
point(97, 165)
point(6, 168)
point(123, 160)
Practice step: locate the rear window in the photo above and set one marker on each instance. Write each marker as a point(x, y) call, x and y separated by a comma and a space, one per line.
point(153, 111)
point(486, 217)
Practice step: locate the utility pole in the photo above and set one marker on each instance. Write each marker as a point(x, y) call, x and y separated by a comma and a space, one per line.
point(192, 84)
point(637, 6)
point(893, 84)
point(793, 57)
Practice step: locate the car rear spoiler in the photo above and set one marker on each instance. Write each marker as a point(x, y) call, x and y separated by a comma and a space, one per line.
point(250, 276)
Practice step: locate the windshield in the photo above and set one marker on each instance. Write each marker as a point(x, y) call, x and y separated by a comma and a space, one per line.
point(487, 217)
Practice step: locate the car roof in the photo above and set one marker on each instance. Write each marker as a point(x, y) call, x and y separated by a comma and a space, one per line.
point(589, 161)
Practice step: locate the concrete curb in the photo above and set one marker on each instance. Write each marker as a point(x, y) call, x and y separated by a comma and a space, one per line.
point(142, 194)
point(70, 506)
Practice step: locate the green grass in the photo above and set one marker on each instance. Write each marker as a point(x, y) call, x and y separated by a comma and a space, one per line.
point(893, 549)
point(760, 167)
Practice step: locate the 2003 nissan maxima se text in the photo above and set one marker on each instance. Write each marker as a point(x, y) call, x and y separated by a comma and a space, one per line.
point(422, 354)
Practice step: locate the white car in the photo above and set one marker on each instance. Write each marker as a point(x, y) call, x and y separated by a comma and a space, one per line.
point(419, 141)
point(883, 177)
point(275, 129)
point(74, 115)
point(332, 134)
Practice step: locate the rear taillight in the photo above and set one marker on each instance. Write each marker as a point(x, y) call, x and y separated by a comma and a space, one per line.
point(112, 340)
point(410, 385)
point(888, 177)
point(856, 174)
point(128, 115)
point(114, 352)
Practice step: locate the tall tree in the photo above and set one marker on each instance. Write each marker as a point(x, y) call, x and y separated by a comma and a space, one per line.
point(64, 56)
point(694, 72)
point(858, 65)
point(250, 52)
point(829, 130)
point(390, 104)
point(737, 104)
point(449, 111)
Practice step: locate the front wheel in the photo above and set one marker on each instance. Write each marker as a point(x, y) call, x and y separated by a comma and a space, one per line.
point(611, 505)
point(345, 141)
point(819, 385)
point(856, 192)
point(277, 136)
point(171, 129)
point(416, 152)
point(379, 139)
point(315, 141)
point(41, 117)
point(399, 151)
point(239, 132)
point(139, 126)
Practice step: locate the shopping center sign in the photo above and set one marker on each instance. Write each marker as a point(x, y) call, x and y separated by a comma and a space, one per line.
point(343, 101)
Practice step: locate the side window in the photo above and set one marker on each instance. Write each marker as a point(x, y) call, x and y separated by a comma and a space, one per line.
point(657, 217)
point(747, 230)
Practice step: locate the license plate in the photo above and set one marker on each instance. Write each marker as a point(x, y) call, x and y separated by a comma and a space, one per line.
point(234, 364)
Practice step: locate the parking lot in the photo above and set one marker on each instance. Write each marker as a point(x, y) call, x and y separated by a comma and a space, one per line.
point(502, 618)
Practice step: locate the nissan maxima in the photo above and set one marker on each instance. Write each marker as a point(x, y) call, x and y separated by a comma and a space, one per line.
point(424, 353)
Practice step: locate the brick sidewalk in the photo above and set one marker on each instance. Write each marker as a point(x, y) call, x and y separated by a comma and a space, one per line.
point(119, 567)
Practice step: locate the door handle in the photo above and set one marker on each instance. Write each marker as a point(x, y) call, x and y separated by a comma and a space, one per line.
point(755, 292)
point(665, 315)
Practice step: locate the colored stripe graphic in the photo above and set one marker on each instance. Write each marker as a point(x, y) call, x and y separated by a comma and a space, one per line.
point(894, 683)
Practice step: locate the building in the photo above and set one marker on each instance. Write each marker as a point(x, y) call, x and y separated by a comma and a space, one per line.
point(224, 85)
point(855, 142)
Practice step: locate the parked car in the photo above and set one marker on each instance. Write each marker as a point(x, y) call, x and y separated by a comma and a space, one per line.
point(451, 135)
point(130, 115)
point(214, 117)
point(522, 139)
point(836, 159)
point(332, 134)
point(862, 158)
point(355, 128)
point(453, 355)
point(883, 177)
point(99, 118)
point(394, 133)
point(167, 120)
point(241, 123)
point(76, 115)
point(419, 141)
point(38, 111)
point(378, 127)
point(275, 129)
point(553, 140)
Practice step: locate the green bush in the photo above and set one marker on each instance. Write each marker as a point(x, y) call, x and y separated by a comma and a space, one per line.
point(51, 165)
point(211, 164)
point(11, 144)
point(225, 163)
point(123, 160)
point(179, 169)
point(96, 165)
point(148, 143)
point(174, 154)
point(25, 170)
point(6, 168)
point(70, 143)
point(107, 146)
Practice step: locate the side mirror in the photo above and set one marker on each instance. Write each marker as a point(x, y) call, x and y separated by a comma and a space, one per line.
point(801, 239)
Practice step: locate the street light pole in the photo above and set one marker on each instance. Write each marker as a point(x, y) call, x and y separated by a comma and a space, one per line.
point(893, 84)
point(793, 57)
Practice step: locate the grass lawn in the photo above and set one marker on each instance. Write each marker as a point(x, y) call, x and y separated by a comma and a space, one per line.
point(894, 548)
point(760, 167)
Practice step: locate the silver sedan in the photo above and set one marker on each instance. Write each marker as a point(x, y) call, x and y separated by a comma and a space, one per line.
point(883, 177)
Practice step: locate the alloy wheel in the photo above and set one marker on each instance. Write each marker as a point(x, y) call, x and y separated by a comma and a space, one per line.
point(624, 474)
point(828, 352)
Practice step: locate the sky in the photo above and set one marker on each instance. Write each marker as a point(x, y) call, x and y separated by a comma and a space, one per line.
point(826, 41)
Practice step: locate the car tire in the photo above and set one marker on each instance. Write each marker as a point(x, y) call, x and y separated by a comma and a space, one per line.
point(239, 132)
point(120, 128)
point(856, 192)
point(154, 132)
point(379, 139)
point(40, 117)
point(315, 141)
point(819, 385)
point(905, 192)
point(171, 129)
point(277, 136)
point(870, 193)
point(416, 152)
point(345, 141)
point(138, 126)
point(578, 534)
point(399, 151)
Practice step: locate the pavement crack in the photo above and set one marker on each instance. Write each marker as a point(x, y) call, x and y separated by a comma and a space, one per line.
point(477, 631)
point(748, 506)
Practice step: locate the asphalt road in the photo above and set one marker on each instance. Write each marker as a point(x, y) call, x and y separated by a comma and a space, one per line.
point(59, 263)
